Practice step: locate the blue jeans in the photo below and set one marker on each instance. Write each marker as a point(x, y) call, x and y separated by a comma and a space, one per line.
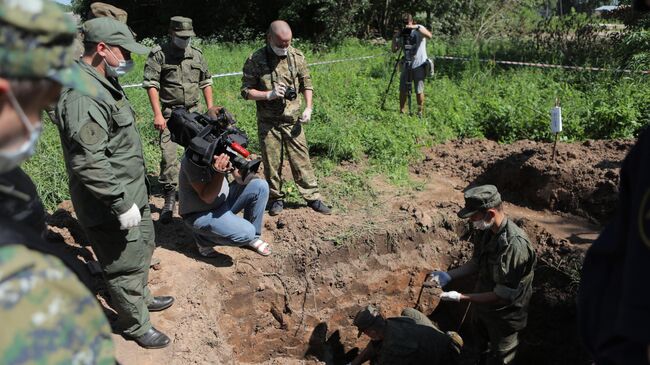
point(222, 225)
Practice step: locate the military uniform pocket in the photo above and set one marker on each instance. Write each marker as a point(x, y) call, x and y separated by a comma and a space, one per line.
point(195, 73)
point(169, 73)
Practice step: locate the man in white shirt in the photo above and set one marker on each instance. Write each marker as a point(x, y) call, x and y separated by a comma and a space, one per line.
point(413, 38)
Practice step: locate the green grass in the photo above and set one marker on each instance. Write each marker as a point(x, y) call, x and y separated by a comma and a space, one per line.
point(463, 100)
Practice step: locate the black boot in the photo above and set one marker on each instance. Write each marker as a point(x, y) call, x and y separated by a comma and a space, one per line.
point(152, 339)
point(168, 207)
point(160, 303)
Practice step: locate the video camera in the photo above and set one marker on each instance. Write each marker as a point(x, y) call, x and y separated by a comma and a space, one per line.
point(205, 136)
point(408, 42)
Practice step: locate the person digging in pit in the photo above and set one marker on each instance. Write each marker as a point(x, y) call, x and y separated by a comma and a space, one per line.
point(505, 261)
point(409, 339)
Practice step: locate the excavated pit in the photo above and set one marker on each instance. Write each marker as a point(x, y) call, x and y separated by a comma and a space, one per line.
point(297, 306)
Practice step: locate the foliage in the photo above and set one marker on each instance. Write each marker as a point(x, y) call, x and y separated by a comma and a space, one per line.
point(463, 100)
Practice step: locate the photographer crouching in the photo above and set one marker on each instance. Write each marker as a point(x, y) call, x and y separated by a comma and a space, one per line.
point(413, 39)
point(217, 181)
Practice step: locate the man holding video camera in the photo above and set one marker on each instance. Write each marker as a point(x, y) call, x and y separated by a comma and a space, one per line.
point(412, 38)
point(209, 201)
point(273, 77)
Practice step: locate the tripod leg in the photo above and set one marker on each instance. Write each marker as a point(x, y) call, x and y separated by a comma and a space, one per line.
point(409, 87)
point(392, 75)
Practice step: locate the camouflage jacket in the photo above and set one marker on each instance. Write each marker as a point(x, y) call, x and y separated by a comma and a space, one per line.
point(48, 315)
point(506, 263)
point(264, 68)
point(178, 75)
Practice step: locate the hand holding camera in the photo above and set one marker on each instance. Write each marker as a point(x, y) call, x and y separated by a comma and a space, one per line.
point(278, 91)
point(221, 164)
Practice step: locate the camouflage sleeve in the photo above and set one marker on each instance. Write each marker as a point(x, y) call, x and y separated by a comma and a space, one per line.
point(206, 77)
point(48, 315)
point(304, 78)
point(511, 269)
point(250, 78)
point(86, 139)
point(152, 70)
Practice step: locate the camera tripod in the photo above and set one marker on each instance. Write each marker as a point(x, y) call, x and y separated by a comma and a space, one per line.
point(409, 81)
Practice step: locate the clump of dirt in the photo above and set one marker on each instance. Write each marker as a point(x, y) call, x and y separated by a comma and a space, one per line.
point(297, 305)
point(583, 178)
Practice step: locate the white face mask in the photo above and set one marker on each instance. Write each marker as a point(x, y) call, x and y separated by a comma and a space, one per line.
point(12, 159)
point(280, 52)
point(181, 43)
point(482, 225)
point(121, 69)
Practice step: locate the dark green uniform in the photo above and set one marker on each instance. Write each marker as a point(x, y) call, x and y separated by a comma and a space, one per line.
point(179, 75)
point(103, 154)
point(506, 263)
point(276, 119)
point(413, 340)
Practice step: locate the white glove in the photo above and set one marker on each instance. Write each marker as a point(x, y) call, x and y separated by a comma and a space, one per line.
point(450, 296)
point(306, 116)
point(277, 92)
point(441, 277)
point(130, 218)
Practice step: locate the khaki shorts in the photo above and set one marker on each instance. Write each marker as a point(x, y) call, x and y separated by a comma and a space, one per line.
point(418, 75)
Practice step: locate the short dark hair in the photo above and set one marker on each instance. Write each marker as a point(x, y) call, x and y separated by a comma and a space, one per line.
point(407, 17)
point(89, 48)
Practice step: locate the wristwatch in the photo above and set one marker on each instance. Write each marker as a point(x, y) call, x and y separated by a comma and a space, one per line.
point(417, 27)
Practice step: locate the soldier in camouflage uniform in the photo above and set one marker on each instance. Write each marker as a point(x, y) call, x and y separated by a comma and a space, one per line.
point(48, 315)
point(411, 339)
point(177, 73)
point(505, 262)
point(103, 154)
point(268, 74)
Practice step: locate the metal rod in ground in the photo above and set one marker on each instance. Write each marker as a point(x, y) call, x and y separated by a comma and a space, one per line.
point(554, 146)
point(392, 75)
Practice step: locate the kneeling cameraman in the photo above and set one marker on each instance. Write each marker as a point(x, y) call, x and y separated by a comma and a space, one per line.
point(209, 205)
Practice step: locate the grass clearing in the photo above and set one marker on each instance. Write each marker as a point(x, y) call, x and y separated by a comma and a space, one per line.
point(463, 100)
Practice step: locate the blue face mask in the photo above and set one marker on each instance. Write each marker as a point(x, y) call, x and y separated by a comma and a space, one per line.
point(13, 158)
point(121, 69)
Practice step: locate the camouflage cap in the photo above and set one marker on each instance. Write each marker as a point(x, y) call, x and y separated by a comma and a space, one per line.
point(36, 41)
point(480, 198)
point(113, 32)
point(99, 10)
point(181, 26)
point(365, 318)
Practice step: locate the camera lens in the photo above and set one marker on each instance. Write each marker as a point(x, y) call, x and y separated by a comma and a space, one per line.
point(290, 94)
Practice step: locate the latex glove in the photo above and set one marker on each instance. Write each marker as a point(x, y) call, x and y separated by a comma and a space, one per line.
point(277, 92)
point(306, 116)
point(130, 218)
point(441, 277)
point(450, 296)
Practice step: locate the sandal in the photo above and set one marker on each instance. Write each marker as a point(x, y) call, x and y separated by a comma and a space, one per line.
point(207, 251)
point(260, 247)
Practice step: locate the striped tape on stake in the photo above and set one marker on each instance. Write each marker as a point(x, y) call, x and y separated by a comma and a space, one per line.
point(556, 123)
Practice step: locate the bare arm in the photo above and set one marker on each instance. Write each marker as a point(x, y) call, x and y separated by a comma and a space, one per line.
point(208, 192)
point(159, 121)
point(395, 45)
point(425, 32)
point(207, 95)
point(308, 93)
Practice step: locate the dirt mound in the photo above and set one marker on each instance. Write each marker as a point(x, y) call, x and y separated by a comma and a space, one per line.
point(296, 306)
point(582, 180)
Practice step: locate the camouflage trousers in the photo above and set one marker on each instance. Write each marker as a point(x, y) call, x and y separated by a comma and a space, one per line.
point(125, 256)
point(279, 139)
point(169, 163)
point(497, 347)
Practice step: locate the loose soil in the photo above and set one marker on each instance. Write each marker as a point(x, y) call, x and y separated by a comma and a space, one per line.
point(297, 305)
